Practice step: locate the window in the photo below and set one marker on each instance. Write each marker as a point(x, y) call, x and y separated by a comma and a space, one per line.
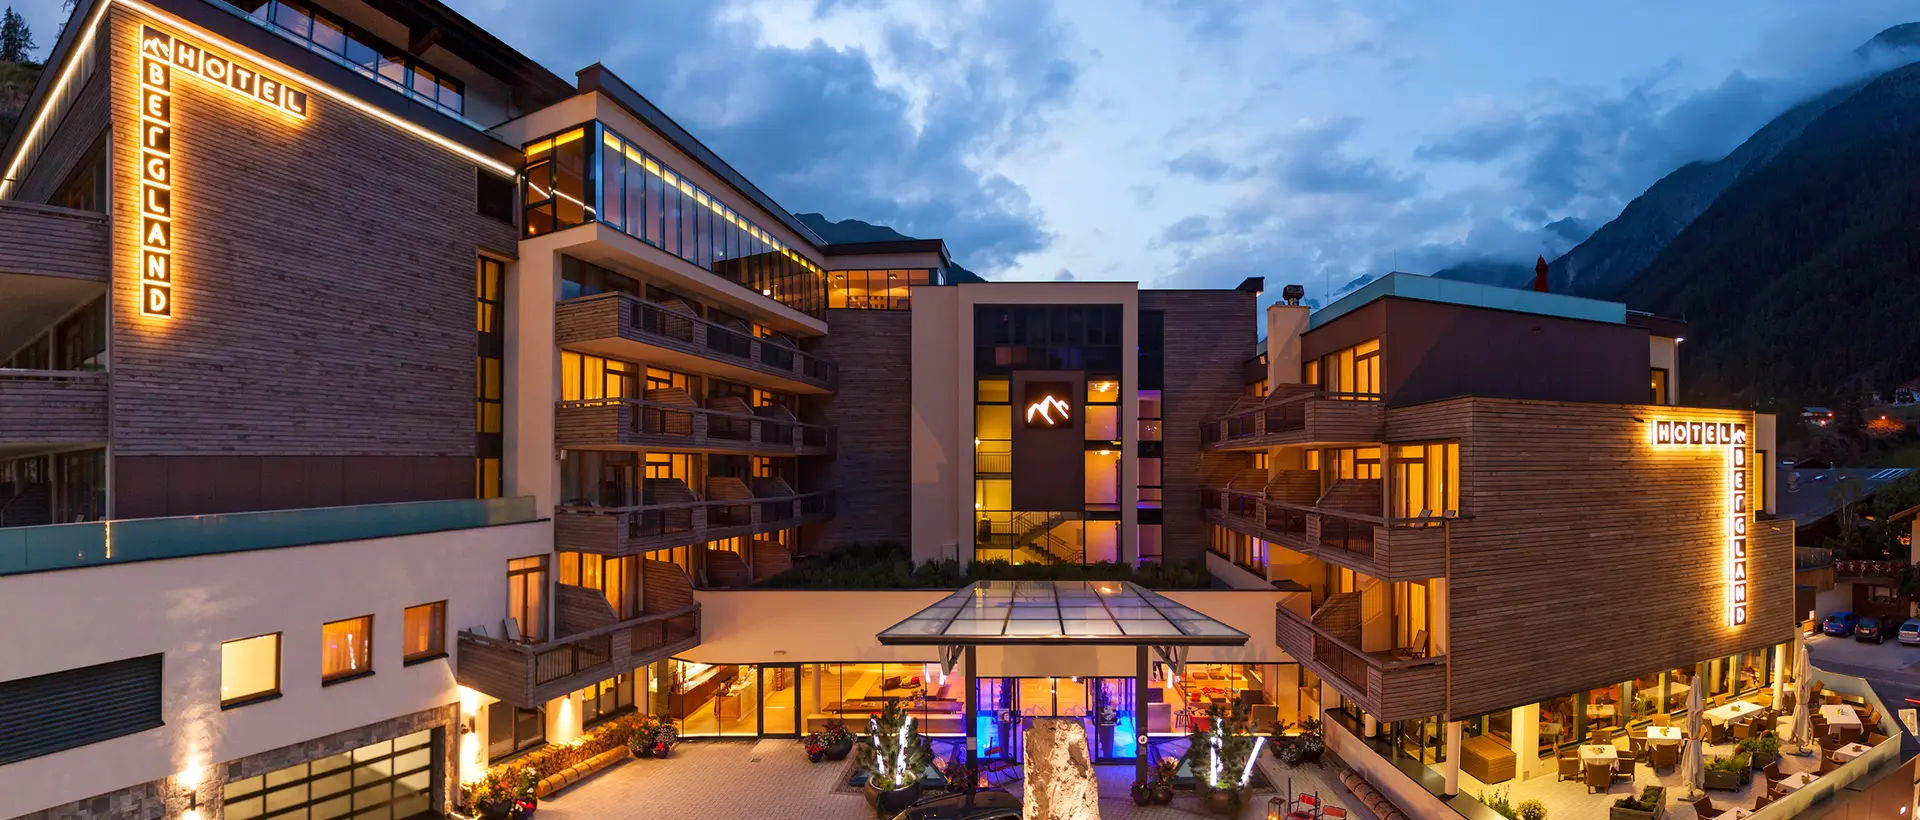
point(527, 597)
point(1410, 613)
point(356, 49)
point(426, 632)
point(876, 289)
point(346, 649)
point(493, 195)
point(489, 385)
point(249, 670)
point(392, 778)
point(1426, 480)
point(1354, 371)
point(511, 729)
point(606, 699)
point(85, 187)
point(591, 378)
point(1659, 386)
point(76, 707)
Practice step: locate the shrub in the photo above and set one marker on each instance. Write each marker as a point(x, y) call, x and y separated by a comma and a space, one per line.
point(1501, 803)
point(1532, 810)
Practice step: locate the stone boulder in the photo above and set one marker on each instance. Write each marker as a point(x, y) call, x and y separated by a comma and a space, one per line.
point(1060, 783)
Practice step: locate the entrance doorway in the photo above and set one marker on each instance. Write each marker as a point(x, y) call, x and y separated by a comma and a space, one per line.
point(1008, 706)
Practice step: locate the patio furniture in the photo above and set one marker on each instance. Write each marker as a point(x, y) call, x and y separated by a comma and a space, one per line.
point(1487, 759)
point(1848, 734)
point(1569, 765)
point(1762, 800)
point(1624, 768)
point(1599, 753)
point(1306, 807)
point(1664, 735)
point(1716, 733)
point(1638, 745)
point(1666, 756)
point(1742, 730)
point(1771, 770)
point(1663, 719)
point(1703, 807)
point(1599, 777)
point(1875, 738)
point(1417, 648)
point(1827, 763)
point(1830, 698)
point(1599, 737)
point(1794, 782)
point(1333, 813)
point(1851, 751)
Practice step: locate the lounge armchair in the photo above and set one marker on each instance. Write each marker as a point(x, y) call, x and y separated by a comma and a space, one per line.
point(1624, 768)
point(1599, 777)
point(1742, 730)
point(1570, 765)
point(1703, 807)
point(1665, 756)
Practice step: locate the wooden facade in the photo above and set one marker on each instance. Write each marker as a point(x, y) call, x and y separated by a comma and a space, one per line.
point(636, 530)
point(1297, 417)
point(42, 240)
point(1387, 687)
point(52, 407)
point(623, 326)
point(634, 424)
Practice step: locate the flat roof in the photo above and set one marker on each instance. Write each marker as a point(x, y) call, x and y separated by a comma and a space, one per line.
point(1472, 294)
point(1016, 613)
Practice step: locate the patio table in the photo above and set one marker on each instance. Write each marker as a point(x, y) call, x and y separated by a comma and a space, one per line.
point(1731, 712)
point(1598, 754)
point(1793, 782)
point(1664, 735)
point(1851, 751)
point(1838, 716)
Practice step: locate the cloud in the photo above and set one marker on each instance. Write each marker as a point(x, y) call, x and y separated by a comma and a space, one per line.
point(1191, 229)
point(1063, 276)
point(816, 126)
point(1204, 166)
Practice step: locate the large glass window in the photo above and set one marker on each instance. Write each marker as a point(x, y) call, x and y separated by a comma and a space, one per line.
point(354, 48)
point(1353, 372)
point(639, 194)
point(249, 670)
point(389, 779)
point(1658, 384)
point(615, 578)
point(511, 729)
point(346, 649)
point(591, 378)
point(1426, 480)
point(876, 289)
point(607, 699)
point(527, 597)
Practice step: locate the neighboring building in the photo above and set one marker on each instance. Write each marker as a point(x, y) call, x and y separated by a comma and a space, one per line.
point(368, 392)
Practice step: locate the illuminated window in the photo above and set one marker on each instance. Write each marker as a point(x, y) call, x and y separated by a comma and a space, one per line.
point(346, 649)
point(357, 49)
point(1659, 386)
point(1353, 372)
point(249, 670)
point(426, 632)
point(489, 387)
point(527, 597)
point(1426, 480)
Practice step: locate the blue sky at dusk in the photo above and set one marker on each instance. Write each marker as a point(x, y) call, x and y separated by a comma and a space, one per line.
point(1186, 143)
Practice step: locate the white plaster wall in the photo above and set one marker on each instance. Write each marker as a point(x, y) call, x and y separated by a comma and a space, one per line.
point(1665, 352)
point(186, 607)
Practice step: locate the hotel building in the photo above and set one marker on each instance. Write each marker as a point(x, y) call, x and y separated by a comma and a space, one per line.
point(376, 406)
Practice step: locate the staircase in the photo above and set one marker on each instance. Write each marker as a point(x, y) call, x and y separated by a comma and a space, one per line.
point(1340, 617)
point(1037, 530)
point(30, 506)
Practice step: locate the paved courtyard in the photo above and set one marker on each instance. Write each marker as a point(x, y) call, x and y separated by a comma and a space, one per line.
point(772, 778)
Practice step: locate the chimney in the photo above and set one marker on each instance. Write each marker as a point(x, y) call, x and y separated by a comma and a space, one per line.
point(1540, 275)
point(1285, 322)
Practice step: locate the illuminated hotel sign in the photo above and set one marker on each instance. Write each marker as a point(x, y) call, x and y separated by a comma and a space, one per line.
point(161, 55)
point(1047, 411)
point(1733, 438)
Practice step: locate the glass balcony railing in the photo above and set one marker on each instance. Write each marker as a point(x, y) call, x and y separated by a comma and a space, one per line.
point(98, 543)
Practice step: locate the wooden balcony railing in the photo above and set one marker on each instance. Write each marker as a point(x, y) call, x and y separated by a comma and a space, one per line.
point(640, 423)
point(1392, 548)
point(1299, 417)
point(631, 530)
point(53, 406)
point(620, 315)
point(528, 674)
point(1386, 685)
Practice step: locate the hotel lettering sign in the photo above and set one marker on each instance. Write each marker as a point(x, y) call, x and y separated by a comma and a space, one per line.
point(161, 56)
point(1731, 437)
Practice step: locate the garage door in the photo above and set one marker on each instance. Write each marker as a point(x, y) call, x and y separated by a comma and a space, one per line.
point(389, 780)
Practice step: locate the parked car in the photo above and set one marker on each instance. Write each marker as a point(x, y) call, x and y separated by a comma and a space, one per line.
point(986, 804)
point(1871, 629)
point(1910, 631)
point(1839, 624)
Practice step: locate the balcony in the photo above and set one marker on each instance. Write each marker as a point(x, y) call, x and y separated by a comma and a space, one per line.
point(1296, 415)
point(621, 326)
point(634, 423)
point(1399, 549)
point(50, 407)
point(49, 241)
point(639, 529)
point(530, 674)
point(1386, 685)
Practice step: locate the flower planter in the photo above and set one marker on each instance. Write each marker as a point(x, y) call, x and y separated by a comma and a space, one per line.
point(1761, 759)
point(1160, 795)
point(889, 802)
point(1657, 812)
point(494, 809)
point(839, 750)
point(1727, 781)
point(1222, 801)
point(816, 757)
point(1141, 795)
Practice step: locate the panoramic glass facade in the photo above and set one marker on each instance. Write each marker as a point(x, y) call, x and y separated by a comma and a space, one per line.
point(569, 183)
point(877, 289)
point(352, 47)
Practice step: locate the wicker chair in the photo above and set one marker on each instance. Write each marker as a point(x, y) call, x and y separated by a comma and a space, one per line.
point(1875, 739)
point(1828, 764)
point(1663, 719)
point(1742, 730)
point(1666, 756)
point(1600, 737)
point(1703, 807)
point(1599, 777)
point(1762, 800)
point(1570, 765)
point(1772, 770)
point(1624, 768)
point(1849, 734)
point(1830, 698)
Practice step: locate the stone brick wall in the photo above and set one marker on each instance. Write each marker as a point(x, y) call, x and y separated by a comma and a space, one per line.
point(324, 284)
point(1209, 334)
point(872, 417)
point(160, 799)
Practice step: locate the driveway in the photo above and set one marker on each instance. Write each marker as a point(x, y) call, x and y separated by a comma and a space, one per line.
point(711, 780)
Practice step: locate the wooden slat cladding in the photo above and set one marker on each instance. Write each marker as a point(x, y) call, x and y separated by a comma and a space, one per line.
point(1592, 556)
point(320, 309)
point(41, 240)
point(647, 425)
point(591, 323)
point(1300, 418)
point(579, 609)
point(1207, 336)
point(53, 407)
point(1387, 689)
point(532, 674)
point(74, 135)
point(1395, 553)
point(614, 533)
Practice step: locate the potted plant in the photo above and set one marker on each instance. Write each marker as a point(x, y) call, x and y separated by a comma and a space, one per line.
point(1221, 757)
point(1762, 750)
point(1161, 790)
point(833, 742)
point(1500, 802)
point(526, 795)
point(1141, 791)
point(1728, 773)
point(1651, 804)
point(893, 761)
point(1532, 810)
point(503, 795)
point(653, 736)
